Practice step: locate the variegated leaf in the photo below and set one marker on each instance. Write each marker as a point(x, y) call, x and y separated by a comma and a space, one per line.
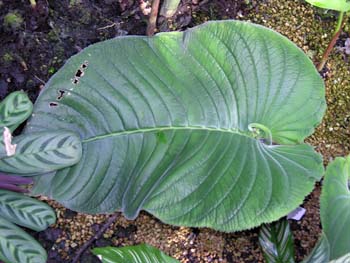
point(16, 246)
point(25, 211)
point(276, 241)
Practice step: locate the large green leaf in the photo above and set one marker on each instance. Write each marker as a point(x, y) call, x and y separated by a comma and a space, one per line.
point(339, 5)
point(133, 254)
point(335, 207)
point(42, 152)
point(14, 110)
point(276, 241)
point(16, 246)
point(25, 211)
point(170, 124)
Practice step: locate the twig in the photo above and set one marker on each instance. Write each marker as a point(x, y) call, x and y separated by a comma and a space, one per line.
point(152, 22)
point(88, 243)
point(106, 27)
point(338, 30)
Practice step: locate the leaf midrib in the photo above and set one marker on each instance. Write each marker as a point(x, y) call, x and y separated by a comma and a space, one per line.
point(166, 128)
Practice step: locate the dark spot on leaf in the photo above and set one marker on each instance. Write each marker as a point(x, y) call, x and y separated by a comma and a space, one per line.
point(84, 65)
point(79, 73)
point(53, 104)
point(75, 81)
point(60, 94)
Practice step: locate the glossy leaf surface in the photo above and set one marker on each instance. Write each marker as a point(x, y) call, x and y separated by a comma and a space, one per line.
point(175, 125)
point(338, 5)
point(14, 110)
point(16, 246)
point(25, 211)
point(276, 241)
point(335, 207)
point(132, 254)
point(42, 152)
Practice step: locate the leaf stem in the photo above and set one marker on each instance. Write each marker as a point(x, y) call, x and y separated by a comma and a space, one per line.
point(338, 30)
point(152, 22)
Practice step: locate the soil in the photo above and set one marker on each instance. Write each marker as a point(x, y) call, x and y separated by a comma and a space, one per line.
point(36, 42)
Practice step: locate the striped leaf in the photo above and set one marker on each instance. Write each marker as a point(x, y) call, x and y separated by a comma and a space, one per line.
point(14, 110)
point(42, 152)
point(16, 246)
point(25, 211)
point(320, 253)
point(276, 241)
point(194, 127)
point(133, 254)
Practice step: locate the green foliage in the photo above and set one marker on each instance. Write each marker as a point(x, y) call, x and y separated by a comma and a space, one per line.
point(42, 152)
point(335, 207)
point(14, 110)
point(320, 253)
point(132, 254)
point(166, 126)
point(169, 7)
point(25, 211)
point(276, 241)
point(338, 5)
point(12, 21)
point(17, 246)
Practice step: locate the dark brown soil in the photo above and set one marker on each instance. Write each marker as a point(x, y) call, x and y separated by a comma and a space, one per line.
point(42, 39)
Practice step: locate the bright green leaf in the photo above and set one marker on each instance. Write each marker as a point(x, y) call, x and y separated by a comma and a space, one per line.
point(14, 110)
point(25, 211)
point(42, 152)
point(16, 246)
point(132, 254)
point(335, 207)
point(338, 5)
point(276, 241)
point(175, 125)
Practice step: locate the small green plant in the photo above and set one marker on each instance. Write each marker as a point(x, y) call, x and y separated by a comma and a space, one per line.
point(343, 6)
point(27, 155)
point(13, 21)
point(169, 8)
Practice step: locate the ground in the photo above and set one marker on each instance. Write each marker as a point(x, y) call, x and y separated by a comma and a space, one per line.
point(36, 43)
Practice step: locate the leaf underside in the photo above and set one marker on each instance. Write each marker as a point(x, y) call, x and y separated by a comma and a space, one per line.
point(164, 125)
point(17, 246)
point(276, 241)
point(132, 254)
point(25, 211)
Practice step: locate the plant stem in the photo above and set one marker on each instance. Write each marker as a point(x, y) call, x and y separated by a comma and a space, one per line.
point(87, 244)
point(33, 3)
point(169, 8)
point(338, 29)
point(152, 22)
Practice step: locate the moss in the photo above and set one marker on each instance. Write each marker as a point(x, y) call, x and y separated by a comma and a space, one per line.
point(7, 58)
point(13, 21)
